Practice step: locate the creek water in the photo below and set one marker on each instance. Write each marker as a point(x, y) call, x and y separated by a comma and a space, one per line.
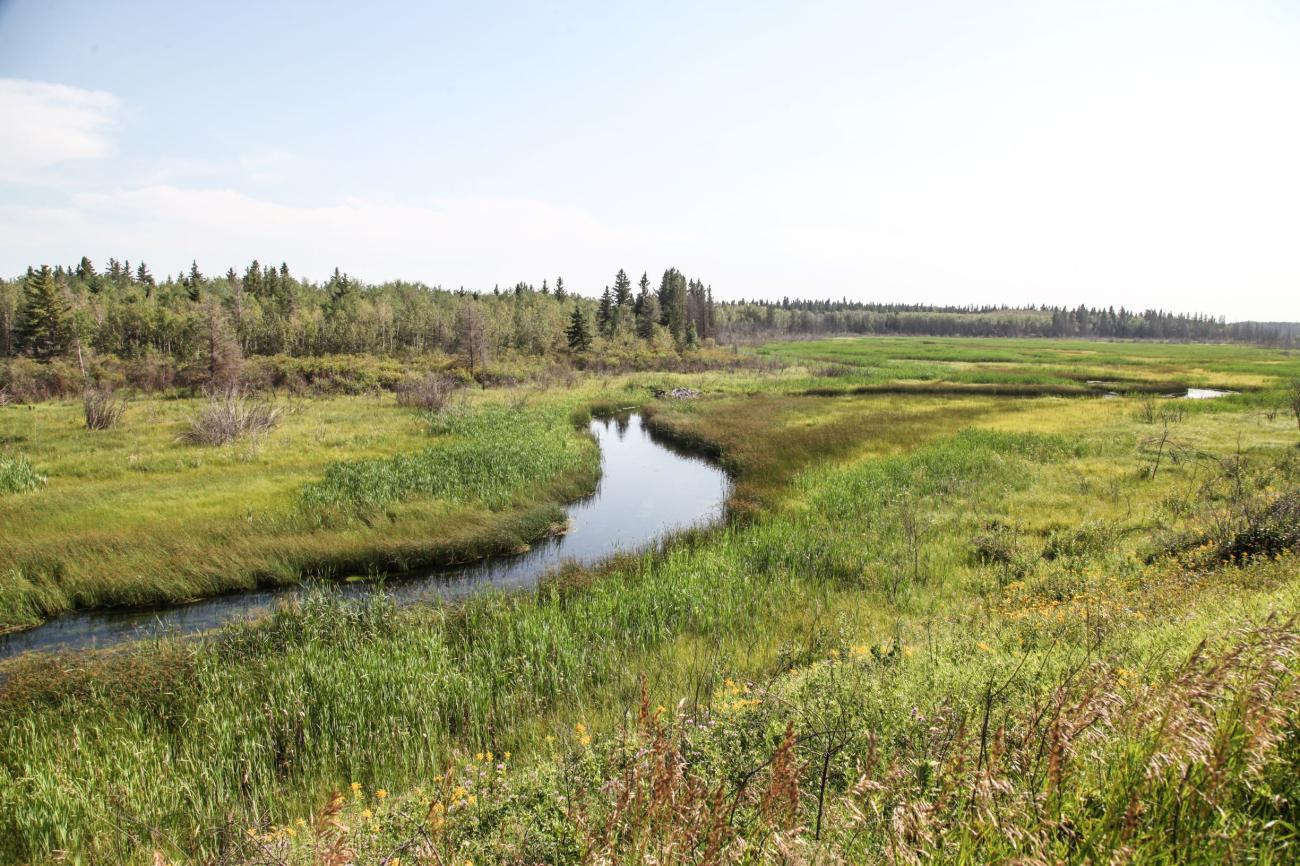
point(648, 489)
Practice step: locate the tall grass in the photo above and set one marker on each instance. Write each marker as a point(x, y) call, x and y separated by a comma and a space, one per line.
point(17, 474)
point(143, 518)
point(487, 456)
point(256, 725)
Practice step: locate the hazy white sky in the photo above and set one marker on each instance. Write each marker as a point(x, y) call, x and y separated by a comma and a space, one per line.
point(1136, 153)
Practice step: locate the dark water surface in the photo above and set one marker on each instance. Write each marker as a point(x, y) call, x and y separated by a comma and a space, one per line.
point(647, 489)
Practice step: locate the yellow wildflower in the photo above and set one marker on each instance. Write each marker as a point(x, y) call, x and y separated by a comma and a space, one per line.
point(984, 647)
point(478, 756)
point(367, 814)
point(381, 793)
point(506, 756)
point(471, 799)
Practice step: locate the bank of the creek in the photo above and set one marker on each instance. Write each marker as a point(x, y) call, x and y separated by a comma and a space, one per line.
point(648, 488)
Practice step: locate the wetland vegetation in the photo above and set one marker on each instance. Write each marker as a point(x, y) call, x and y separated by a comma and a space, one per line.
point(943, 623)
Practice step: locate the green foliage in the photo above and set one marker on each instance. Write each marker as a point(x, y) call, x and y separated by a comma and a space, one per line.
point(484, 457)
point(17, 474)
point(579, 331)
point(1043, 700)
point(45, 328)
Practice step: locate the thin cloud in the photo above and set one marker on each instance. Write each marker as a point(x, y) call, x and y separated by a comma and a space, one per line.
point(49, 124)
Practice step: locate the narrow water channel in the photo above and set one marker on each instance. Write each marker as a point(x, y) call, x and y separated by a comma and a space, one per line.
point(648, 488)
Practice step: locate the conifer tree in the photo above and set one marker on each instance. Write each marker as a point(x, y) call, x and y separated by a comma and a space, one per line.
point(647, 316)
point(194, 282)
point(45, 323)
point(560, 293)
point(672, 304)
point(692, 338)
point(253, 280)
point(143, 276)
point(605, 313)
point(579, 330)
point(622, 289)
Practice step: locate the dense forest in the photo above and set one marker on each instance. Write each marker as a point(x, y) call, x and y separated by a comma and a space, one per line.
point(205, 324)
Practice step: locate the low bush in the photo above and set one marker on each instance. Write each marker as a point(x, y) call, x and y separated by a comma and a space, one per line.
point(431, 392)
point(229, 415)
point(103, 409)
point(1269, 529)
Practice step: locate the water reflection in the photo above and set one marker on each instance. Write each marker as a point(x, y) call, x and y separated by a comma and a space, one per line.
point(648, 488)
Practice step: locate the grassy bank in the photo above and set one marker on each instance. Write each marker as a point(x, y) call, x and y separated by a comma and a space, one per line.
point(949, 628)
point(136, 516)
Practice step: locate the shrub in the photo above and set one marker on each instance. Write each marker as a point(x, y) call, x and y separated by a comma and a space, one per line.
point(17, 475)
point(432, 392)
point(227, 416)
point(1268, 531)
point(103, 409)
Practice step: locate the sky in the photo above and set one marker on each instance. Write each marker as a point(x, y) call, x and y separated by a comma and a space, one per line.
point(1144, 154)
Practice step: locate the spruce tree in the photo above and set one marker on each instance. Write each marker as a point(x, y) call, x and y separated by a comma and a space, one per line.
point(647, 317)
point(622, 289)
point(692, 337)
point(672, 304)
point(143, 276)
point(560, 293)
point(253, 280)
point(45, 323)
point(579, 330)
point(605, 313)
point(194, 282)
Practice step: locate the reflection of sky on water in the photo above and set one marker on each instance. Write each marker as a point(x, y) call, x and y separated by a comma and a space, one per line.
point(646, 490)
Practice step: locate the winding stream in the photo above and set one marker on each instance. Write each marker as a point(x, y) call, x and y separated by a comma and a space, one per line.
point(648, 488)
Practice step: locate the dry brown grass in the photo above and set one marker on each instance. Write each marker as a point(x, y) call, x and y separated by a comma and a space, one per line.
point(228, 416)
point(103, 409)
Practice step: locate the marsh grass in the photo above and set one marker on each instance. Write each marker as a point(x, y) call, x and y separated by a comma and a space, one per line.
point(138, 517)
point(856, 690)
point(261, 721)
point(486, 457)
point(17, 474)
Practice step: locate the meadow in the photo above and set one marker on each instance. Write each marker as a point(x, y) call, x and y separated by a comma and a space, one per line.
point(946, 625)
point(136, 516)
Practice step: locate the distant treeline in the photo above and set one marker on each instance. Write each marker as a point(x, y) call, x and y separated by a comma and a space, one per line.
point(124, 312)
point(797, 317)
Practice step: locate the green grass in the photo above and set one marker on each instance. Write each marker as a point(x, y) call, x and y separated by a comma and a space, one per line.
point(135, 516)
point(1119, 366)
point(17, 475)
point(974, 611)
